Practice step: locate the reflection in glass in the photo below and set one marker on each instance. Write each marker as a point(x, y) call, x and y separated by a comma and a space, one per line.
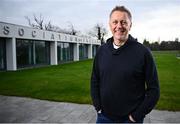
point(2, 54)
point(31, 53)
point(94, 50)
point(42, 51)
point(65, 52)
point(24, 53)
point(83, 51)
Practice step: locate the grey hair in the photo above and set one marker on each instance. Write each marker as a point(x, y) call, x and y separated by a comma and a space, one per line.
point(122, 9)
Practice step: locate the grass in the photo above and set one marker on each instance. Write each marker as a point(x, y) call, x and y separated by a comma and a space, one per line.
point(70, 82)
point(67, 82)
point(169, 76)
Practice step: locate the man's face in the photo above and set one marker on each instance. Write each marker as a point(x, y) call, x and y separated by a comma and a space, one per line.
point(120, 25)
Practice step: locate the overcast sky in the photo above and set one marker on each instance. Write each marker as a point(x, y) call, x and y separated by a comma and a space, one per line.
point(152, 19)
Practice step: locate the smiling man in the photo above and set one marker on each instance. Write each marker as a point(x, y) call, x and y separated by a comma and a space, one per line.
point(124, 81)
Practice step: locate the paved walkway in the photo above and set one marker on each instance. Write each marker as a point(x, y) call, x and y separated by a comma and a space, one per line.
point(23, 110)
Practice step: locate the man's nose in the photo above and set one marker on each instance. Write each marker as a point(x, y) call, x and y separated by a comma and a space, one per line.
point(119, 25)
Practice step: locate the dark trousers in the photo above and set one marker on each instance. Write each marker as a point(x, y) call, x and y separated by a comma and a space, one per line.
point(101, 118)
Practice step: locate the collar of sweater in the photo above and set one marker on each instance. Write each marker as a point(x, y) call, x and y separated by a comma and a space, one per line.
point(116, 50)
point(118, 46)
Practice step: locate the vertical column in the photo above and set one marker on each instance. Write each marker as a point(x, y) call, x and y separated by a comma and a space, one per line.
point(76, 51)
point(90, 51)
point(11, 54)
point(53, 53)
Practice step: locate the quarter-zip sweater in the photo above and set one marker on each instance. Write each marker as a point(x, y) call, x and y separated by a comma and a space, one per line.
point(124, 81)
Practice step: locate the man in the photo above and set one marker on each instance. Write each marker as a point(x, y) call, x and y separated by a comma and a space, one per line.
point(124, 81)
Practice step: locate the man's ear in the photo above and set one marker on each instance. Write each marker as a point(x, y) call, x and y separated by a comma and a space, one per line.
point(130, 26)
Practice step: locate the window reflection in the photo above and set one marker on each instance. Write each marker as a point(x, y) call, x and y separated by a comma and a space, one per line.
point(32, 53)
point(64, 52)
point(83, 51)
point(2, 54)
point(94, 50)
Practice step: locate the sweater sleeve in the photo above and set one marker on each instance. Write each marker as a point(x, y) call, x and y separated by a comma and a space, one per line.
point(152, 92)
point(95, 80)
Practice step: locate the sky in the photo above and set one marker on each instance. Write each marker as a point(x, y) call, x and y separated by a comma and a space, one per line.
point(155, 20)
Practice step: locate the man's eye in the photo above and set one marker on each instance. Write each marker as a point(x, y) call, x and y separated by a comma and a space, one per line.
point(123, 22)
point(115, 22)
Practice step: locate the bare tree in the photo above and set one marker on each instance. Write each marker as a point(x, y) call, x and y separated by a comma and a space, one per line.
point(40, 24)
point(71, 29)
point(49, 26)
point(98, 31)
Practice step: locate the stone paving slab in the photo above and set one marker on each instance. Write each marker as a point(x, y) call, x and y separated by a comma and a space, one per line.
point(28, 110)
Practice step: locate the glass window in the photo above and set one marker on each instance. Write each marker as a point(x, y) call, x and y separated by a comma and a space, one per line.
point(42, 52)
point(2, 54)
point(30, 53)
point(71, 48)
point(60, 52)
point(83, 51)
point(65, 52)
point(24, 53)
point(94, 50)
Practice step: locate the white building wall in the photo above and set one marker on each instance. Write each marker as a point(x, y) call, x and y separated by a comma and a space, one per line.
point(11, 32)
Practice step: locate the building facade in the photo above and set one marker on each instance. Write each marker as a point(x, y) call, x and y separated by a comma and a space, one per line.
point(22, 47)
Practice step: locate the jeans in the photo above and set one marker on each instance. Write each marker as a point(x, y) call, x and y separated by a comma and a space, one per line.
point(101, 118)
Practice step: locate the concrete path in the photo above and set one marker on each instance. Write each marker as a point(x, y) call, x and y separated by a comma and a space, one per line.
point(27, 110)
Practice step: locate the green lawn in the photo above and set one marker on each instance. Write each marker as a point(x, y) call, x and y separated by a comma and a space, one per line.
point(70, 82)
point(169, 76)
point(67, 82)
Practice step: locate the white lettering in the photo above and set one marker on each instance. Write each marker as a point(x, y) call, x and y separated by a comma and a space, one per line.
point(44, 35)
point(34, 34)
point(52, 36)
point(6, 30)
point(21, 32)
point(30, 33)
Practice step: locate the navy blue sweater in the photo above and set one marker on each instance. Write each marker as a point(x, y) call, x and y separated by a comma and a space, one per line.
point(124, 81)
